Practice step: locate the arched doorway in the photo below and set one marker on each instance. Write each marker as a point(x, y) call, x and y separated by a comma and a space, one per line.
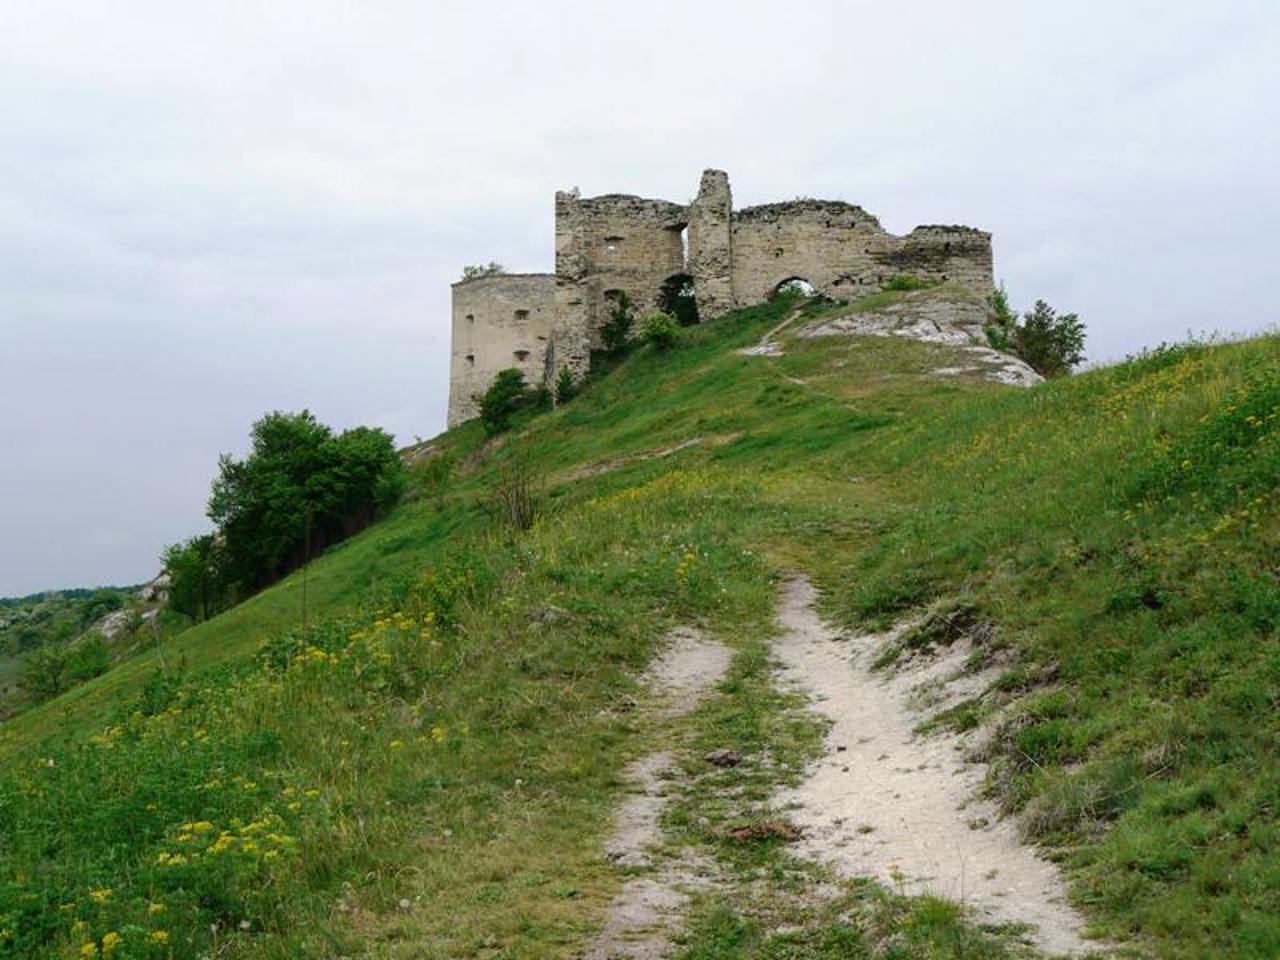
point(794, 287)
point(676, 298)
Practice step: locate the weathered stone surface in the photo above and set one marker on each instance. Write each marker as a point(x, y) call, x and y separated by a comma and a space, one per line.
point(499, 321)
point(614, 244)
point(114, 624)
point(934, 316)
point(711, 244)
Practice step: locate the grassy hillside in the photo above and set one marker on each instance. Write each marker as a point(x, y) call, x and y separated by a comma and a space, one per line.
point(428, 768)
point(56, 619)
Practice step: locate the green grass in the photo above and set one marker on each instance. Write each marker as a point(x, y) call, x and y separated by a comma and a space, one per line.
point(1119, 530)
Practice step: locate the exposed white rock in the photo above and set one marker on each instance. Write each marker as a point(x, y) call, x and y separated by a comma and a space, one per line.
point(952, 322)
point(155, 591)
point(114, 624)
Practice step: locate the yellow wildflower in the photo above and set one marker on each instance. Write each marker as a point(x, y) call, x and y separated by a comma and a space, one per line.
point(89, 950)
point(110, 940)
point(154, 908)
point(395, 745)
point(100, 896)
point(160, 936)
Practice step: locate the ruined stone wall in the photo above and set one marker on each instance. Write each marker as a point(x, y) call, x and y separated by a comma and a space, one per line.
point(499, 321)
point(615, 243)
point(844, 252)
point(543, 323)
point(710, 244)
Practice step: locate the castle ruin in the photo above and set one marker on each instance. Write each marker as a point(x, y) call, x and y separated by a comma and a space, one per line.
point(653, 250)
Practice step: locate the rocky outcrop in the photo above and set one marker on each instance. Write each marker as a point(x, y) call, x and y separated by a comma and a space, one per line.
point(948, 317)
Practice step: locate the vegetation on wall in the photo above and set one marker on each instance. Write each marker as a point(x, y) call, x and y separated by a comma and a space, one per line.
point(907, 281)
point(474, 271)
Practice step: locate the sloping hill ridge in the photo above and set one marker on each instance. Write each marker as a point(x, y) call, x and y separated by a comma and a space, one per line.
point(431, 767)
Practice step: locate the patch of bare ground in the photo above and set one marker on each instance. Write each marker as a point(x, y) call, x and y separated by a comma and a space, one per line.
point(900, 806)
point(768, 346)
point(642, 919)
point(606, 466)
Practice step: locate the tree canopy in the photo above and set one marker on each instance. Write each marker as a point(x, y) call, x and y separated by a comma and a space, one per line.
point(301, 488)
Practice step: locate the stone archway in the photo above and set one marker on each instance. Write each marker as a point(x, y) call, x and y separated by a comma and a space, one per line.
point(677, 298)
point(794, 287)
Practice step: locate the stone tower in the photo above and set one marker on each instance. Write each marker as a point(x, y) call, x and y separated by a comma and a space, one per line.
point(710, 246)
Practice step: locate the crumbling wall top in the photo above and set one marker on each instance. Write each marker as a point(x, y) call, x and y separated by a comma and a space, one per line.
point(805, 207)
point(499, 277)
point(614, 204)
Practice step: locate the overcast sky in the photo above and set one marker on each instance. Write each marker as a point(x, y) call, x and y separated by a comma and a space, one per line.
point(210, 210)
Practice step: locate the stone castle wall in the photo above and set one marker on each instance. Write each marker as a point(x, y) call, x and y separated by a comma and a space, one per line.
point(844, 252)
point(499, 321)
point(543, 323)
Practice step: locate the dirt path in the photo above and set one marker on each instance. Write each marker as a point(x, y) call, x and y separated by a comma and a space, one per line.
point(767, 346)
point(899, 807)
point(643, 916)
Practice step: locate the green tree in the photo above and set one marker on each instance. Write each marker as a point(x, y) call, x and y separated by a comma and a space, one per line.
point(505, 396)
point(300, 489)
point(45, 672)
point(89, 659)
point(616, 332)
point(198, 584)
point(1051, 343)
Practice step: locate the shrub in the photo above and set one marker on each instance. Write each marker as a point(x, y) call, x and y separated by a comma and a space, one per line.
point(99, 604)
point(659, 329)
point(45, 672)
point(566, 386)
point(1003, 327)
point(1050, 343)
point(616, 332)
point(473, 271)
point(513, 500)
point(540, 397)
point(505, 396)
point(89, 659)
point(197, 569)
point(906, 281)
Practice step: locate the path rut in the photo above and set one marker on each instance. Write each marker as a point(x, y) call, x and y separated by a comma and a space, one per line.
point(642, 918)
point(900, 807)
